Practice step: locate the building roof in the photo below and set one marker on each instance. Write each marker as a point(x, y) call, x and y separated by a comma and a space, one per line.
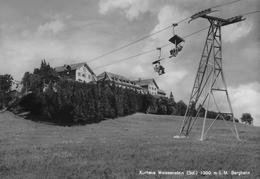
point(74, 66)
point(161, 91)
point(111, 76)
point(117, 78)
point(146, 82)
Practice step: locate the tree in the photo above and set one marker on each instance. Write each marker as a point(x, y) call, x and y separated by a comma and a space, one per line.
point(35, 81)
point(171, 97)
point(5, 86)
point(247, 118)
point(5, 83)
point(181, 108)
point(162, 109)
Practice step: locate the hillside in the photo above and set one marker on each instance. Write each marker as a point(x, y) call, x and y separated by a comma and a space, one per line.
point(122, 148)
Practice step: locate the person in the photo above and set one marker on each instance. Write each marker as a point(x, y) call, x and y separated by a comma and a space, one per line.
point(173, 52)
point(161, 70)
point(179, 48)
point(156, 67)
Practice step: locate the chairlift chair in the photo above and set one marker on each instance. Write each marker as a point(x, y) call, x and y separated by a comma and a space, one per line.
point(158, 68)
point(177, 41)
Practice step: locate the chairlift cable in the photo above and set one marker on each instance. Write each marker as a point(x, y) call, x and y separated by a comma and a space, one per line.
point(165, 45)
point(149, 35)
point(249, 13)
point(148, 51)
point(225, 4)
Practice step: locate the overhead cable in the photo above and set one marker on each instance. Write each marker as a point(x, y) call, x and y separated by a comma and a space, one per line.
point(149, 35)
point(149, 51)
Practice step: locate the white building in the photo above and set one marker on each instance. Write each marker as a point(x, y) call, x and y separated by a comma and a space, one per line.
point(119, 80)
point(79, 72)
point(150, 87)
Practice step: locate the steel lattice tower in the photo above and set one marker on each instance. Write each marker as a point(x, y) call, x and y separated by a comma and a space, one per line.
point(210, 78)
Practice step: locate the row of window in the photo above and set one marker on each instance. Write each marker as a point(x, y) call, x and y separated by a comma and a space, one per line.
point(127, 87)
point(125, 81)
point(152, 88)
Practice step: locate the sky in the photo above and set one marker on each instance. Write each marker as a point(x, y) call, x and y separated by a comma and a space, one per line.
point(65, 32)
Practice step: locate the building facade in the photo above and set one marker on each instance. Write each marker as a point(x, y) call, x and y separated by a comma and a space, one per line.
point(150, 87)
point(119, 81)
point(161, 93)
point(80, 72)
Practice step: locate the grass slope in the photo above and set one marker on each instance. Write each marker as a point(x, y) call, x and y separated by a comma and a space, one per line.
point(121, 148)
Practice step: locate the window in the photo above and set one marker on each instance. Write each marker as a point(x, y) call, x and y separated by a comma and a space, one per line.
point(79, 73)
point(84, 75)
point(89, 76)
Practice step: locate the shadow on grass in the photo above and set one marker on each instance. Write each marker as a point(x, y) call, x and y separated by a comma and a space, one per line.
point(74, 121)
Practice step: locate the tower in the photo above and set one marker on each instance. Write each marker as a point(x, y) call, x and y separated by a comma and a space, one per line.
point(209, 78)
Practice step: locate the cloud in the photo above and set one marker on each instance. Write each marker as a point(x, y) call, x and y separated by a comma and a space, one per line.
point(27, 52)
point(175, 76)
point(169, 15)
point(233, 32)
point(31, 50)
point(131, 8)
point(246, 98)
point(175, 72)
point(54, 26)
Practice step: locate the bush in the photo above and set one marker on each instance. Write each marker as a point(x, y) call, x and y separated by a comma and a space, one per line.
point(247, 118)
point(31, 103)
point(74, 102)
point(162, 109)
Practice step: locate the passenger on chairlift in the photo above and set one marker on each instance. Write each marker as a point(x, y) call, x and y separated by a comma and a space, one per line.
point(177, 41)
point(161, 70)
point(158, 68)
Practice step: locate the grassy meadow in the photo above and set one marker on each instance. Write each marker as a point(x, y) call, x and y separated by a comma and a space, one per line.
point(135, 146)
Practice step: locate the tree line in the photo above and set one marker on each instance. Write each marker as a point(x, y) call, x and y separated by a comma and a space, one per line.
point(68, 102)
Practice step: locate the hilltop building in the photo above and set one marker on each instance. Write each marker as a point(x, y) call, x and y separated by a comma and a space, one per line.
point(150, 87)
point(119, 81)
point(79, 72)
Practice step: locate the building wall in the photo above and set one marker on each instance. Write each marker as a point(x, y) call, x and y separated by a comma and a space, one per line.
point(161, 94)
point(68, 75)
point(83, 75)
point(152, 89)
